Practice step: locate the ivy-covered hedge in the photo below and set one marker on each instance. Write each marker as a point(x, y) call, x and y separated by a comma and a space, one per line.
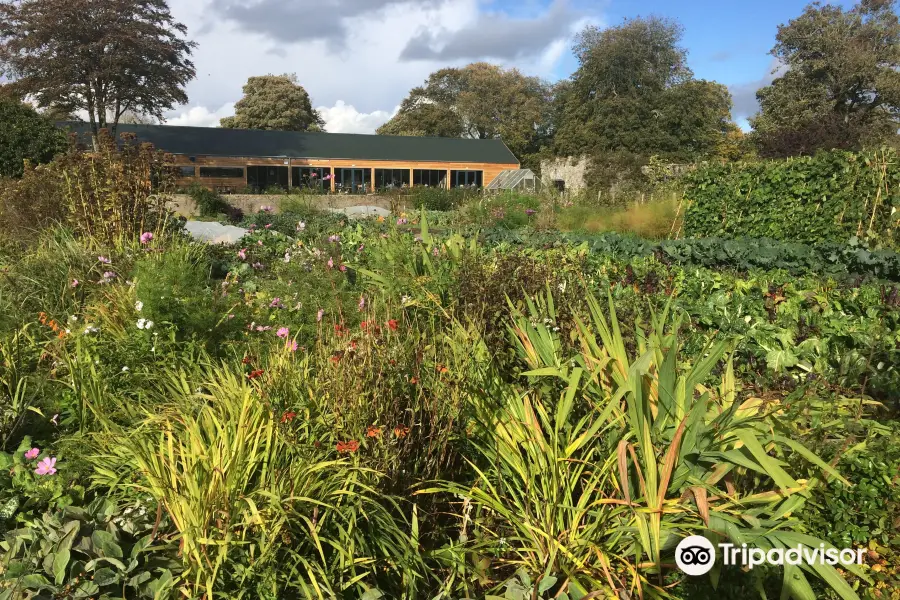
point(829, 197)
point(742, 254)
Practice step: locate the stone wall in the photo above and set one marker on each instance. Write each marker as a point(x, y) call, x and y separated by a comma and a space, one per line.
point(571, 170)
point(183, 204)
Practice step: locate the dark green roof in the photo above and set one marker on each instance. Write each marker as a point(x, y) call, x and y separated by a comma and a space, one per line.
point(214, 141)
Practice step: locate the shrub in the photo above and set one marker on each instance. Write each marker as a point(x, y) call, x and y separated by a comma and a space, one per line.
point(436, 198)
point(115, 194)
point(31, 202)
point(209, 203)
point(25, 136)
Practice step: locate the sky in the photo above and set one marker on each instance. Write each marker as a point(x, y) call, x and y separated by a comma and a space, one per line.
point(358, 59)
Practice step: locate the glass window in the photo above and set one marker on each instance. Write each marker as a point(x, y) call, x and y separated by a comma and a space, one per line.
point(312, 178)
point(188, 171)
point(390, 179)
point(224, 172)
point(263, 177)
point(429, 177)
point(469, 179)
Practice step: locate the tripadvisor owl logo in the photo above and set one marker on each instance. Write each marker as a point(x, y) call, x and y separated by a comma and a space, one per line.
point(695, 555)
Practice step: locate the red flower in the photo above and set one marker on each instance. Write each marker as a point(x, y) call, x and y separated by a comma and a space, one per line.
point(288, 417)
point(345, 447)
point(246, 360)
point(372, 431)
point(392, 324)
point(255, 374)
point(336, 357)
point(364, 325)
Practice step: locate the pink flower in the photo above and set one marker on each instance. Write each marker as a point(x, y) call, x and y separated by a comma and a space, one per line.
point(283, 332)
point(343, 268)
point(362, 302)
point(242, 254)
point(319, 315)
point(32, 454)
point(104, 260)
point(146, 237)
point(330, 263)
point(268, 225)
point(75, 283)
point(275, 303)
point(402, 221)
point(291, 346)
point(46, 467)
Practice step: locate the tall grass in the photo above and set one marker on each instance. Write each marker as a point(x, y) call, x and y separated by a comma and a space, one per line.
point(653, 220)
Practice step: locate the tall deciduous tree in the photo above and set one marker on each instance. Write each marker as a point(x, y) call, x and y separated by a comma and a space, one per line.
point(841, 86)
point(480, 101)
point(275, 102)
point(633, 96)
point(105, 57)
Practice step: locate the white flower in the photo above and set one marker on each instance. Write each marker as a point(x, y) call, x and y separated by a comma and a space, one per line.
point(68, 331)
point(287, 257)
point(90, 329)
point(124, 369)
point(73, 318)
point(141, 323)
point(149, 325)
point(138, 306)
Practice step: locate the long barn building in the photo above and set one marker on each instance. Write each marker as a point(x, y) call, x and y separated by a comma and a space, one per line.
point(231, 160)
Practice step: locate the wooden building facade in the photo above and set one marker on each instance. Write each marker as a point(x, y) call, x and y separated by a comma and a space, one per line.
point(232, 160)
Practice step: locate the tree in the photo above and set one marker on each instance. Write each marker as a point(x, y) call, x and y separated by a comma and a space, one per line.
point(841, 86)
point(633, 96)
point(25, 135)
point(479, 101)
point(275, 102)
point(104, 57)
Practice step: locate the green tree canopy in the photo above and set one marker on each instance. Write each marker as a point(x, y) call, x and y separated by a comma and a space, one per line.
point(480, 101)
point(841, 86)
point(274, 102)
point(25, 135)
point(104, 57)
point(634, 96)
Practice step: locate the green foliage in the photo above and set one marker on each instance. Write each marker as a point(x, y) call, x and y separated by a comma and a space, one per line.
point(25, 136)
point(31, 202)
point(275, 102)
point(435, 198)
point(100, 550)
point(480, 101)
point(632, 97)
point(742, 254)
point(209, 203)
point(841, 85)
point(831, 197)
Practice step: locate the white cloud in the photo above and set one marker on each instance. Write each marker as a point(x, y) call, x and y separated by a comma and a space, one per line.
point(200, 116)
point(344, 118)
point(359, 84)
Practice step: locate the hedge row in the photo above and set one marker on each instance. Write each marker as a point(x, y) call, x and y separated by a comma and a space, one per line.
point(829, 197)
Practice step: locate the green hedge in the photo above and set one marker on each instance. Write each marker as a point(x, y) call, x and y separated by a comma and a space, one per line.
point(829, 197)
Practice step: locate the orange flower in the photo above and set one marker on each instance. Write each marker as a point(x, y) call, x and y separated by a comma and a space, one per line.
point(413, 380)
point(442, 369)
point(345, 447)
point(401, 431)
point(373, 432)
point(287, 417)
point(61, 334)
point(43, 318)
point(392, 324)
point(255, 374)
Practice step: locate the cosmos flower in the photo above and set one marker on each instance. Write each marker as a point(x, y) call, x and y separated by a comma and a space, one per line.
point(32, 454)
point(146, 237)
point(283, 332)
point(46, 467)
